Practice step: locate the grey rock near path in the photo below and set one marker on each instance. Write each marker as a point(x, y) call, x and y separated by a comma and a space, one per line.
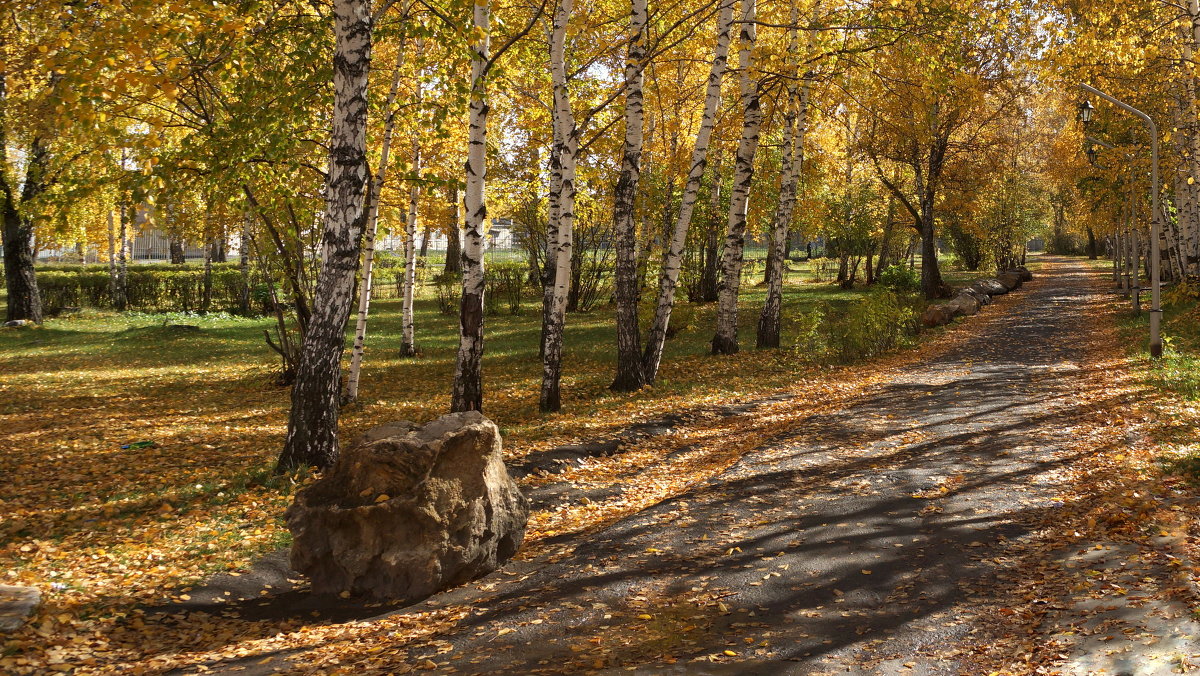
point(409, 510)
point(17, 604)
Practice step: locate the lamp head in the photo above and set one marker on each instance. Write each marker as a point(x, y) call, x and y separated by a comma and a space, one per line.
point(1086, 109)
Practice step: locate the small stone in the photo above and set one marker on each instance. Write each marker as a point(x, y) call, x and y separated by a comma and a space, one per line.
point(17, 604)
point(16, 323)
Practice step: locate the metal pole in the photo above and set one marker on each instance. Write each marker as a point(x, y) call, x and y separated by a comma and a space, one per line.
point(1114, 252)
point(1119, 255)
point(1136, 272)
point(1155, 222)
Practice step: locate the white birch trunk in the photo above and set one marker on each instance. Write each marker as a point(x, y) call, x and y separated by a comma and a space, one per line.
point(408, 345)
point(673, 251)
point(559, 257)
point(467, 394)
point(630, 375)
point(372, 228)
point(122, 299)
point(112, 257)
point(725, 340)
point(312, 437)
point(553, 211)
point(794, 129)
point(1189, 144)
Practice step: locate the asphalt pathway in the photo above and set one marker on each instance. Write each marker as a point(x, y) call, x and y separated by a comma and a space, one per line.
point(864, 543)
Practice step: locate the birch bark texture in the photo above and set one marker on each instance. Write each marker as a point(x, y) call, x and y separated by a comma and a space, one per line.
point(566, 141)
point(630, 374)
point(467, 393)
point(121, 300)
point(370, 231)
point(312, 437)
point(408, 344)
point(453, 263)
point(672, 261)
point(725, 341)
point(795, 125)
point(1187, 139)
point(112, 254)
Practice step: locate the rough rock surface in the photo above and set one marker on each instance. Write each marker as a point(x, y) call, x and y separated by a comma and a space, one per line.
point(968, 301)
point(1010, 280)
point(409, 510)
point(17, 604)
point(991, 287)
point(982, 298)
point(936, 315)
point(964, 304)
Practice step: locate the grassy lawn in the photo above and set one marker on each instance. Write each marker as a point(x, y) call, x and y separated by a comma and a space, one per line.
point(76, 390)
point(103, 523)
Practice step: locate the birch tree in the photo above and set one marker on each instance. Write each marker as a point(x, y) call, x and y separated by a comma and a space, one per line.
point(408, 345)
point(672, 261)
point(372, 227)
point(725, 340)
point(313, 422)
point(467, 394)
point(795, 124)
point(630, 373)
point(566, 148)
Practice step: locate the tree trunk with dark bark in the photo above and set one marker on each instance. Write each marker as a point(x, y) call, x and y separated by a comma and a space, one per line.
point(725, 339)
point(467, 394)
point(672, 260)
point(453, 263)
point(312, 437)
point(630, 375)
point(24, 300)
point(20, 277)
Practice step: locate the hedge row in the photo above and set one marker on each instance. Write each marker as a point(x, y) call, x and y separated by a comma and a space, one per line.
point(148, 288)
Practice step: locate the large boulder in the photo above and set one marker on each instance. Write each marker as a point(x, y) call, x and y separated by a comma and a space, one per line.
point(937, 315)
point(981, 298)
point(409, 510)
point(1010, 280)
point(964, 304)
point(1026, 275)
point(990, 287)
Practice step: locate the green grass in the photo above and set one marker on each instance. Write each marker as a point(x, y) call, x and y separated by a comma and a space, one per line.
point(1176, 374)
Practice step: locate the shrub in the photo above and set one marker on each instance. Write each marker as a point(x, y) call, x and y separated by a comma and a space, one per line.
point(151, 288)
point(387, 260)
point(449, 292)
point(504, 282)
point(683, 317)
point(822, 269)
point(900, 278)
point(864, 328)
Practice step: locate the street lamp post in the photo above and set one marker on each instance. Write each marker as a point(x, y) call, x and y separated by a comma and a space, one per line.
point(1085, 111)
